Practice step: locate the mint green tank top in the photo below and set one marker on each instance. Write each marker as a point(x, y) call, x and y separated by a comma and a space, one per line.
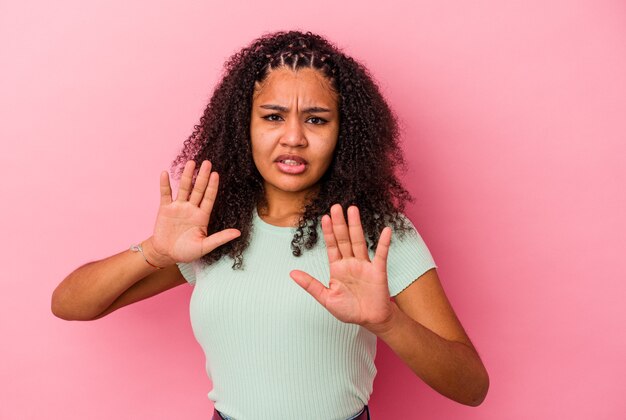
point(272, 351)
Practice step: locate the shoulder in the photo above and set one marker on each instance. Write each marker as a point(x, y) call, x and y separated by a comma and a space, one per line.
point(409, 257)
point(403, 230)
point(405, 236)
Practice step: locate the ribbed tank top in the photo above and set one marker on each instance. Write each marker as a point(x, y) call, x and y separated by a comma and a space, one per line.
point(272, 351)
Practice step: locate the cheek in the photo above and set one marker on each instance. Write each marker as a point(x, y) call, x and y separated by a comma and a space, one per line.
point(256, 141)
point(328, 154)
point(256, 155)
point(260, 154)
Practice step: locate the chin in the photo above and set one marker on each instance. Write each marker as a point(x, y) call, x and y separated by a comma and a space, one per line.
point(292, 187)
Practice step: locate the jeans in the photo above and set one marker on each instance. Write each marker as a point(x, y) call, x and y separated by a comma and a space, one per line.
point(225, 417)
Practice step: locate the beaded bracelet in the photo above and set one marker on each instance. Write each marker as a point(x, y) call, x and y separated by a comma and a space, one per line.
point(139, 248)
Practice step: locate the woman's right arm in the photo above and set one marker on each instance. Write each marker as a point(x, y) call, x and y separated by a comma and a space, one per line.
point(180, 235)
point(100, 287)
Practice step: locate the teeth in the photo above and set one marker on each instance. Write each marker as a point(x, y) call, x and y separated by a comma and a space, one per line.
point(290, 162)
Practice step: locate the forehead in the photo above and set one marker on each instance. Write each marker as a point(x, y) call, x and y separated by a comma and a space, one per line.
point(285, 85)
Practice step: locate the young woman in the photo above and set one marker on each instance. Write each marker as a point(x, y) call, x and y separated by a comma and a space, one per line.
point(295, 248)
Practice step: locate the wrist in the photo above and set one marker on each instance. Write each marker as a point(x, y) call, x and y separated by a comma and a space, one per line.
point(385, 327)
point(152, 256)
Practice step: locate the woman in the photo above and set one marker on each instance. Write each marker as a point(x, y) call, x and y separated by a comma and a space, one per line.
point(298, 132)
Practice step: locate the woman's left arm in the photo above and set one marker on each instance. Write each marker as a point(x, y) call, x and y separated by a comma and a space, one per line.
point(426, 334)
point(420, 326)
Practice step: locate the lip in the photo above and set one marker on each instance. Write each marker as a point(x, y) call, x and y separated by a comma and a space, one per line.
point(291, 169)
point(297, 158)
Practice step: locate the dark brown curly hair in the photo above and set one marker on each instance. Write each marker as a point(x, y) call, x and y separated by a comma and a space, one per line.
point(366, 158)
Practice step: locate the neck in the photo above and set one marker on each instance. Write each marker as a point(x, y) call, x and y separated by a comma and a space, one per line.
point(283, 208)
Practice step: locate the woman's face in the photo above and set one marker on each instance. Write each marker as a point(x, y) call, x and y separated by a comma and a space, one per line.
point(293, 130)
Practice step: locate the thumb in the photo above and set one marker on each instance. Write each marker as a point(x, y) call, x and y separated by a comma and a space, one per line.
point(218, 239)
point(311, 285)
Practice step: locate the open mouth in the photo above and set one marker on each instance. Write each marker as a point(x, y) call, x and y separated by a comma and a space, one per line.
point(291, 164)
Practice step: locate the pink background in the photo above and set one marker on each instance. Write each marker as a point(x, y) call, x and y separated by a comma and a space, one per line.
point(514, 120)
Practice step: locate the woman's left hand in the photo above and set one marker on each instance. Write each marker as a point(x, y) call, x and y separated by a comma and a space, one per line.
point(358, 291)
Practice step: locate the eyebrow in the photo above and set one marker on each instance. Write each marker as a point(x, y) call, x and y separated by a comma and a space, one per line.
point(315, 109)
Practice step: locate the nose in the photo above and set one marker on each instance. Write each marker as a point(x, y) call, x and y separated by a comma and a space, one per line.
point(293, 134)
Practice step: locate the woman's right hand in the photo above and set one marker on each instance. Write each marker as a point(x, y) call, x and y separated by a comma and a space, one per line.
point(180, 231)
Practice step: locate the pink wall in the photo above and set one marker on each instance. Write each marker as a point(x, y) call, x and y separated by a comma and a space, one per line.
point(514, 132)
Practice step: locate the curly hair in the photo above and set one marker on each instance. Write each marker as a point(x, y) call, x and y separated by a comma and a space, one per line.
point(365, 162)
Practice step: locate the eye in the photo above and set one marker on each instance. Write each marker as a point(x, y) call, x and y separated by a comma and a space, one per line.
point(318, 120)
point(272, 117)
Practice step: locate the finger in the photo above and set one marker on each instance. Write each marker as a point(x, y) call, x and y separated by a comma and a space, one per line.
point(218, 239)
point(166, 189)
point(329, 237)
point(382, 250)
point(185, 181)
point(210, 193)
point(311, 285)
point(359, 246)
point(340, 229)
point(202, 180)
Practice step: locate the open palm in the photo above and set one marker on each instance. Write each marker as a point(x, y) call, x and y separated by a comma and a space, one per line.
point(180, 231)
point(358, 291)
